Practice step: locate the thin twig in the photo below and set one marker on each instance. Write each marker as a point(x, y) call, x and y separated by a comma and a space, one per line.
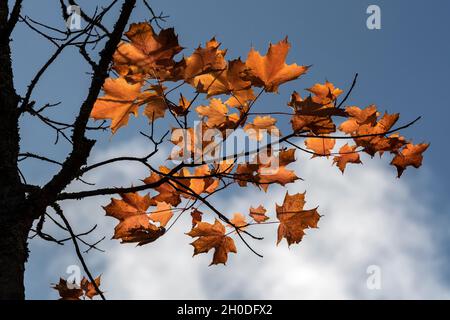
point(59, 211)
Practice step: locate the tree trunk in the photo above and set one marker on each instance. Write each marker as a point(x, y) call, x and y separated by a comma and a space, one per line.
point(14, 219)
point(13, 255)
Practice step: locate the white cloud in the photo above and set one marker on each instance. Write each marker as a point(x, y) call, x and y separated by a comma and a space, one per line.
point(370, 218)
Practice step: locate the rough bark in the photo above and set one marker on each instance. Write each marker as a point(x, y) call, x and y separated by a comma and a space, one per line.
point(13, 226)
point(17, 211)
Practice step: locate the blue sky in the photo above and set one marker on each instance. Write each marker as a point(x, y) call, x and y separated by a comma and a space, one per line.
point(402, 68)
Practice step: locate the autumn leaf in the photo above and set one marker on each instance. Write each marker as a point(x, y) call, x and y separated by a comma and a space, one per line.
point(274, 170)
point(212, 236)
point(271, 70)
point(89, 288)
point(293, 219)
point(372, 136)
point(286, 157)
point(217, 114)
point(134, 225)
point(223, 167)
point(131, 204)
point(68, 291)
point(320, 146)
point(238, 220)
point(310, 116)
point(260, 126)
point(146, 52)
point(156, 104)
point(162, 214)
point(137, 229)
point(410, 155)
point(325, 93)
point(196, 217)
point(280, 175)
point(241, 99)
point(74, 291)
point(245, 172)
point(192, 142)
point(166, 192)
point(203, 60)
point(358, 117)
point(182, 107)
point(120, 100)
point(347, 154)
point(226, 81)
point(201, 181)
point(267, 169)
point(259, 214)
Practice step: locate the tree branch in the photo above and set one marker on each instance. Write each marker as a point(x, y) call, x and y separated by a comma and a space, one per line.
point(13, 18)
point(59, 211)
point(81, 145)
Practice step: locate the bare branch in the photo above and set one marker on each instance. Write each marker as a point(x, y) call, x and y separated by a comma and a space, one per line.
point(81, 145)
point(348, 92)
point(13, 18)
point(59, 211)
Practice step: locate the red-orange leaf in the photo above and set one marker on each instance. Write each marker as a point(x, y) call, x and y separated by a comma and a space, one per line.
point(217, 114)
point(212, 236)
point(68, 291)
point(196, 217)
point(120, 100)
point(320, 146)
point(347, 154)
point(258, 214)
point(238, 220)
point(262, 125)
point(410, 155)
point(146, 53)
point(271, 70)
point(89, 288)
point(203, 60)
point(293, 219)
point(324, 94)
point(162, 214)
point(134, 225)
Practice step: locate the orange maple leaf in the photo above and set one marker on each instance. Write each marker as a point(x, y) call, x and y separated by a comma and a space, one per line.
point(212, 236)
point(293, 219)
point(238, 220)
point(311, 116)
point(271, 70)
point(146, 52)
point(203, 60)
point(410, 155)
point(89, 288)
point(325, 93)
point(167, 192)
point(224, 81)
point(120, 100)
point(134, 225)
point(196, 217)
point(347, 154)
point(320, 146)
point(66, 292)
point(274, 170)
point(217, 114)
point(259, 214)
point(260, 126)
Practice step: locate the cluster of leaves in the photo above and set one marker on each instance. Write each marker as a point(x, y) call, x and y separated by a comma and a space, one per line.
point(145, 64)
point(73, 291)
